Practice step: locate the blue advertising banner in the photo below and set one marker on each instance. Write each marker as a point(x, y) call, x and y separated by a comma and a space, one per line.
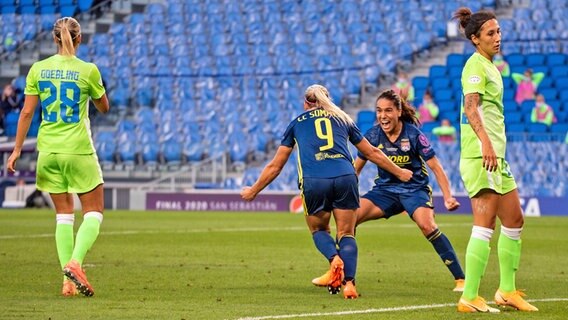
point(291, 202)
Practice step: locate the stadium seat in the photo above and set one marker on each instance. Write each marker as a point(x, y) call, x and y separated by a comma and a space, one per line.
point(455, 60)
point(535, 59)
point(559, 71)
point(549, 94)
point(515, 60)
point(556, 59)
point(437, 71)
point(84, 5)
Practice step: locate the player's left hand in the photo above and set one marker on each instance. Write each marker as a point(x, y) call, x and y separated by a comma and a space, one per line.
point(451, 204)
point(11, 163)
point(248, 194)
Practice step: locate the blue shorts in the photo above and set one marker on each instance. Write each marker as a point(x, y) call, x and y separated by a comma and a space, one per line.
point(326, 194)
point(393, 203)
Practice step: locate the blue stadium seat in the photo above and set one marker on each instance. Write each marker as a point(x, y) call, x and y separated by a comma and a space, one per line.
point(84, 5)
point(440, 84)
point(556, 59)
point(549, 94)
point(546, 83)
point(443, 94)
point(510, 106)
point(514, 117)
point(515, 60)
point(437, 71)
point(455, 72)
point(515, 128)
point(455, 60)
point(172, 151)
point(535, 59)
point(537, 128)
point(420, 83)
point(68, 10)
point(559, 71)
point(448, 106)
point(527, 106)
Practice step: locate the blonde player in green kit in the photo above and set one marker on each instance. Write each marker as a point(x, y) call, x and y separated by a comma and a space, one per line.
point(67, 162)
point(485, 173)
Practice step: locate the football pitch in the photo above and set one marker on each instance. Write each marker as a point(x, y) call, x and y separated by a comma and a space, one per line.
point(212, 265)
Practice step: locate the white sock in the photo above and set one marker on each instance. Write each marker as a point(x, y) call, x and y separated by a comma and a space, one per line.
point(481, 233)
point(94, 214)
point(65, 218)
point(511, 233)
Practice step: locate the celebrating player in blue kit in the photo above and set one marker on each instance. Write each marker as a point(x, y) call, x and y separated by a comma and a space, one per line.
point(327, 180)
point(398, 137)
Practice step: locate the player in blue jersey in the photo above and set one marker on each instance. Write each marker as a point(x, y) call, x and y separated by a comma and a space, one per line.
point(397, 135)
point(327, 180)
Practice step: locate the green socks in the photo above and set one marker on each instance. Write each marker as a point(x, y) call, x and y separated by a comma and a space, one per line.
point(509, 251)
point(476, 257)
point(86, 235)
point(64, 236)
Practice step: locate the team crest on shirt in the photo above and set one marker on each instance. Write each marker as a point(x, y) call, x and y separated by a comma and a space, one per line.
point(405, 145)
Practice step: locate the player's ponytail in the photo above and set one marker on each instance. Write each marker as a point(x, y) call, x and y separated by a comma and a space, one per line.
point(408, 113)
point(470, 23)
point(318, 96)
point(66, 32)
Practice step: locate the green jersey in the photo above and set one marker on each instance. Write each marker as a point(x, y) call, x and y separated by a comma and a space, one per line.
point(64, 85)
point(481, 76)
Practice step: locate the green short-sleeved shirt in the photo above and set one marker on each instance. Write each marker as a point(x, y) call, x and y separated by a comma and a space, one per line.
point(481, 76)
point(64, 85)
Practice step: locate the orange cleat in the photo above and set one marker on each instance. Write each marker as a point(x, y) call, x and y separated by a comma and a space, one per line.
point(336, 275)
point(69, 288)
point(477, 305)
point(349, 291)
point(75, 273)
point(513, 299)
point(460, 283)
point(323, 280)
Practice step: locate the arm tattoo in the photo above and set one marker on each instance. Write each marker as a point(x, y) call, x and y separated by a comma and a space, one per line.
point(470, 109)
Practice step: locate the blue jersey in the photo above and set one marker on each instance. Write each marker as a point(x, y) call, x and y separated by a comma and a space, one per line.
point(322, 144)
point(410, 151)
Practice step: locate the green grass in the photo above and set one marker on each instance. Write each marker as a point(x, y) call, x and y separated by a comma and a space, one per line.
point(187, 265)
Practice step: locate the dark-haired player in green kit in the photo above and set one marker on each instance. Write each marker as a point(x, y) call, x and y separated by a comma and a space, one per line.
point(485, 173)
point(67, 161)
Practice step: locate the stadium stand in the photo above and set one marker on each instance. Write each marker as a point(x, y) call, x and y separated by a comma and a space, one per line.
point(191, 80)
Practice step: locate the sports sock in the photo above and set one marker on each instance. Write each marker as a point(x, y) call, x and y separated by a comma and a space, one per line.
point(445, 250)
point(87, 234)
point(348, 253)
point(325, 244)
point(509, 252)
point(476, 258)
point(64, 236)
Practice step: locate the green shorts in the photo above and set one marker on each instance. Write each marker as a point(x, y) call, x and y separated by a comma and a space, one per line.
point(68, 173)
point(475, 178)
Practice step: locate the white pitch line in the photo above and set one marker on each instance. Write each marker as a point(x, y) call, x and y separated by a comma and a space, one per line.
point(381, 310)
point(212, 230)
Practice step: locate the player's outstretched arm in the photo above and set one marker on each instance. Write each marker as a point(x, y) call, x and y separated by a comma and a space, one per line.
point(449, 201)
point(24, 123)
point(269, 173)
point(379, 158)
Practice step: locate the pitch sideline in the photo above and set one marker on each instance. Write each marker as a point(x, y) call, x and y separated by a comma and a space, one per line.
point(380, 310)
